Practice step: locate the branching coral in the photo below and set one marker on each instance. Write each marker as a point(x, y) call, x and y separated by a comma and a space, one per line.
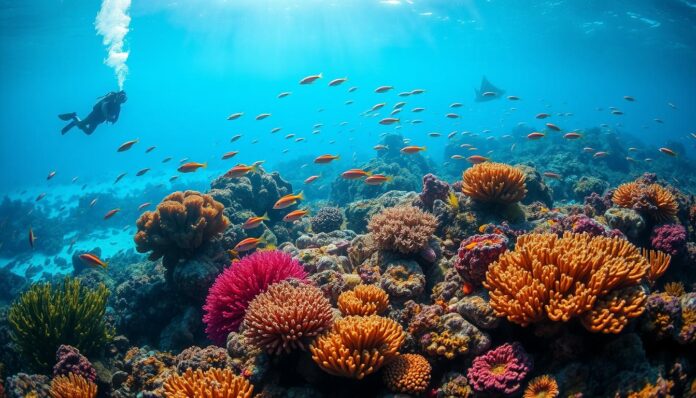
point(404, 229)
point(476, 253)
point(543, 386)
point(239, 283)
point(500, 370)
point(658, 262)
point(408, 374)
point(72, 386)
point(180, 225)
point(212, 383)
point(286, 317)
point(494, 183)
point(546, 277)
point(363, 300)
point(48, 315)
point(358, 346)
point(650, 199)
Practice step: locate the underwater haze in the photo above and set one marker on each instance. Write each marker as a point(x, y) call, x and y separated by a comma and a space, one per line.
point(461, 181)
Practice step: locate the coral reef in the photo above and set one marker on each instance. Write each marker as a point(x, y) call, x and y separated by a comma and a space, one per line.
point(327, 219)
point(212, 383)
point(500, 370)
point(494, 183)
point(628, 221)
point(408, 374)
point(476, 253)
point(72, 386)
point(433, 189)
point(23, 385)
point(586, 186)
point(202, 358)
point(649, 199)
point(69, 360)
point(363, 300)
point(669, 238)
point(404, 229)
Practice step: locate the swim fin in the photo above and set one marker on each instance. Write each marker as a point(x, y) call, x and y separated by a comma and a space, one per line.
point(68, 127)
point(67, 116)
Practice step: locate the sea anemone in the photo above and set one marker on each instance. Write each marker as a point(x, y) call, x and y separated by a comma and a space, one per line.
point(408, 374)
point(557, 278)
point(476, 253)
point(494, 183)
point(212, 383)
point(229, 297)
point(651, 200)
point(405, 229)
point(543, 386)
point(500, 370)
point(286, 317)
point(363, 300)
point(357, 346)
point(72, 386)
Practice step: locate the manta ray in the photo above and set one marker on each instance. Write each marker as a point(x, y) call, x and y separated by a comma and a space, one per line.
point(488, 92)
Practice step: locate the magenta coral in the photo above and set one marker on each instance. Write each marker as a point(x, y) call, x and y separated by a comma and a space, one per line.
point(500, 370)
point(669, 238)
point(69, 360)
point(476, 253)
point(239, 283)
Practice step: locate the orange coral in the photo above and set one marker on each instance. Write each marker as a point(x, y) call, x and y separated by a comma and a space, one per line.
point(650, 199)
point(408, 374)
point(578, 275)
point(181, 224)
point(405, 229)
point(658, 262)
point(72, 386)
point(363, 300)
point(212, 383)
point(494, 183)
point(287, 317)
point(543, 386)
point(358, 346)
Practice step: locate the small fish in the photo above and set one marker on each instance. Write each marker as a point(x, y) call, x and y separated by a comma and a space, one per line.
point(337, 82)
point(235, 116)
point(395, 112)
point(453, 200)
point(74, 179)
point(284, 94)
point(659, 121)
point(275, 130)
point(126, 146)
point(249, 244)
point(452, 116)
point(389, 120)
point(377, 179)
point(228, 155)
point(467, 288)
point(173, 178)
point(51, 175)
point(553, 127)
point(383, 89)
point(476, 159)
point(299, 139)
point(91, 259)
point(489, 94)
point(295, 215)
point(630, 159)
point(119, 177)
point(310, 79)
point(535, 135)
point(235, 138)
point(456, 105)
point(600, 154)
point(262, 116)
point(671, 105)
point(542, 115)
point(287, 137)
point(191, 167)
point(323, 159)
point(572, 136)
point(32, 238)
point(399, 105)
point(416, 121)
point(378, 106)
point(404, 94)
point(513, 98)
point(452, 134)
point(668, 151)
point(240, 170)
point(412, 149)
point(632, 149)
point(167, 159)
point(434, 135)
point(617, 112)
point(354, 174)
point(552, 175)
point(253, 222)
point(629, 98)
point(183, 160)
point(288, 200)
point(311, 179)
point(416, 110)
point(142, 172)
point(111, 213)
point(144, 205)
point(352, 89)
point(380, 147)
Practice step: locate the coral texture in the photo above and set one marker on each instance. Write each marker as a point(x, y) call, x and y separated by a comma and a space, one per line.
point(650, 199)
point(669, 238)
point(72, 386)
point(543, 386)
point(69, 360)
point(494, 183)
point(500, 370)
point(327, 219)
point(180, 225)
point(405, 229)
point(476, 253)
point(287, 317)
point(433, 189)
point(212, 383)
point(577, 275)
point(357, 346)
point(363, 300)
point(408, 374)
point(239, 283)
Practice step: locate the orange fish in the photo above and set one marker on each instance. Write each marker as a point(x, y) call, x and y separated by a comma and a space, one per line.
point(253, 222)
point(144, 205)
point(542, 115)
point(476, 159)
point(311, 179)
point(295, 215)
point(572, 136)
point(248, 244)
point(553, 175)
point(667, 151)
point(553, 127)
point(535, 135)
point(389, 120)
point(126, 145)
point(32, 238)
point(288, 200)
point(377, 179)
point(91, 259)
point(240, 170)
point(467, 288)
point(51, 175)
point(311, 78)
point(229, 154)
point(412, 149)
point(354, 174)
point(190, 167)
point(323, 159)
point(111, 213)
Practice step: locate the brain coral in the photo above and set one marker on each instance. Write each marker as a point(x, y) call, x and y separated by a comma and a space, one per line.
point(404, 229)
point(408, 374)
point(649, 199)
point(500, 370)
point(181, 224)
point(212, 383)
point(239, 283)
point(286, 317)
point(72, 386)
point(363, 300)
point(558, 278)
point(357, 346)
point(494, 183)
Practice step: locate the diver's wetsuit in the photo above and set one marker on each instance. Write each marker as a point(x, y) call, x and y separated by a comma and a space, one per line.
point(106, 109)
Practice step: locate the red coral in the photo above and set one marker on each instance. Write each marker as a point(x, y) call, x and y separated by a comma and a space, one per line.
point(239, 283)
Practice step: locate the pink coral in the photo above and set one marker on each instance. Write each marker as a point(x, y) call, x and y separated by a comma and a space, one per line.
point(476, 253)
point(500, 370)
point(69, 360)
point(239, 283)
point(669, 238)
point(405, 229)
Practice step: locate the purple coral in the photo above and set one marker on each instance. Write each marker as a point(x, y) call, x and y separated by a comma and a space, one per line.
point(580, 223)
point(596, 204)
point(476, 253)
point(433, 189)
point(500, 370)
point(669, 238)
point(69, 360)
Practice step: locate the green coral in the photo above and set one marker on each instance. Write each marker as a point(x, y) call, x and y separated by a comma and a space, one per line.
point(48, 315)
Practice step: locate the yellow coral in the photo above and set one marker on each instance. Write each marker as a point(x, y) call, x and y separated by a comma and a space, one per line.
point(543, 386)
point(650, 199)
point(674, 289)
point(72, 386)
point(357, 346)
point(363, 300)
point(408, 374)
point(494, 183)
point(448, 346)
point(212, 383)
point(558, 278)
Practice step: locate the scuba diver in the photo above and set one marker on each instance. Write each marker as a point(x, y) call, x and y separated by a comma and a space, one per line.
point(106, 109)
